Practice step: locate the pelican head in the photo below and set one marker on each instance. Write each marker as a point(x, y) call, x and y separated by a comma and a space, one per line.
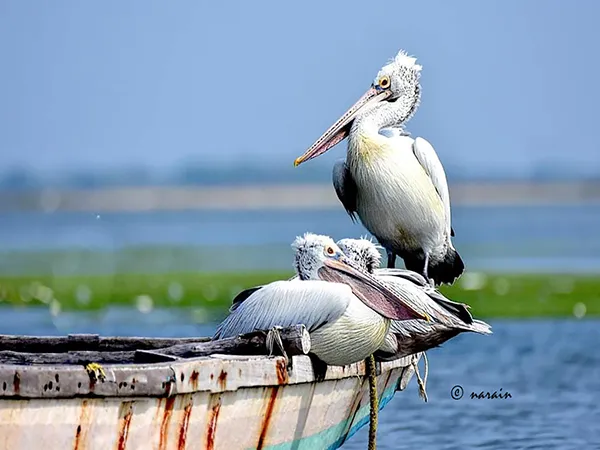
point(391, 100)
point(311, 252)
point(363, 253)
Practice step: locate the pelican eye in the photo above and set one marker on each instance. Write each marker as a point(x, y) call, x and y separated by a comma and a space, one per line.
point(330, 250)
point(384, 82)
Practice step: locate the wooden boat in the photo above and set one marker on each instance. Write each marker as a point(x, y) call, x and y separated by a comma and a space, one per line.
point(164, 393)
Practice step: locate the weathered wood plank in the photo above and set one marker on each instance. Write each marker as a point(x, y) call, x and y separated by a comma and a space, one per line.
point(296, 341)
point(214, 374)
point(69, 358)
point(88, 342)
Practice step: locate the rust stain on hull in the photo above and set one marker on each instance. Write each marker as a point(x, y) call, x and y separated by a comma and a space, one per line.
point(211, 429)
point(164, 426)
point(77, 444)
point(282, 373)
point(125, 415)
point(184, 425)
point(80, 431)
point(267, 418)
point(158, 410)
point(194, 379)
point(222, 380)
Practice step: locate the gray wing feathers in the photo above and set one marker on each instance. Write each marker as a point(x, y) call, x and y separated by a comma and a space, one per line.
point(434, 304)
point(345, 187)
point(429, 160)
point(402, 273)
point(443, 311)
point(242, 296)
point(415, 295)
point(287, 303)
point(479, 326)
point(407, 328)
point(460, 310)
point(246, 293)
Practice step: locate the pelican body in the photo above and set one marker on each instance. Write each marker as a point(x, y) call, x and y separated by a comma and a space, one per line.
point(346, 311)
point(448, 318)
point(395, 184)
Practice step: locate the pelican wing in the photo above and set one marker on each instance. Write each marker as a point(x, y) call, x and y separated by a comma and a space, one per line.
point(449, 318)
point(246, 293)
point(430, 162)
point(416, 342)
point(345, 187)
point(409, 275)
point(287, 303)
point(242, 296)
point(460, 310)
point(409, 328)
point(417, 296)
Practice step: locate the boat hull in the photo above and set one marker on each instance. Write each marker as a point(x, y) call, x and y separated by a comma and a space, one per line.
point(210, 403)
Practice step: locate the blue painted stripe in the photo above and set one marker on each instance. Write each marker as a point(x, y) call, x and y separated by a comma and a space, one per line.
point(333, 437)
point(388, 394)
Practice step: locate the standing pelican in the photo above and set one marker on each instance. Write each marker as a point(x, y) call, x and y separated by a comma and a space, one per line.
point(394, 183)
point(346, 311)
point(448, 318)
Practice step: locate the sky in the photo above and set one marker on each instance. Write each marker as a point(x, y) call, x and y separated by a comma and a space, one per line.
point(508, 86)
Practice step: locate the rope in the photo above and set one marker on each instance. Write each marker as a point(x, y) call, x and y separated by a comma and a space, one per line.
point(274, 337)
point(374, 401)
point(422, 382)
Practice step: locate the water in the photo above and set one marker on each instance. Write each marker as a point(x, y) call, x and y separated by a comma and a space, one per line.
point(551, 368)
point(526, 238)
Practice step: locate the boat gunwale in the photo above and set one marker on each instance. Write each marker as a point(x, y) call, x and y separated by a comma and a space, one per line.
point(215, 373)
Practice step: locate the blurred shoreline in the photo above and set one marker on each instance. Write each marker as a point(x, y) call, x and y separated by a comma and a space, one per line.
point(280, 196)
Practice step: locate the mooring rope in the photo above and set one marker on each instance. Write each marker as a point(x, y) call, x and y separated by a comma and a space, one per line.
point(274, 337)
point(421, 381)
point(374, 402)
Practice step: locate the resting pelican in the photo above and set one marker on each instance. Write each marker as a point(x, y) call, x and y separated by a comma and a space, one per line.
point(346, 311)
point(448, 318)
point(394, 183)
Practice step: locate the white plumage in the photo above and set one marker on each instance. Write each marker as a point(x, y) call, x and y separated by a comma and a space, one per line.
point(343, 329)
point(343, 320)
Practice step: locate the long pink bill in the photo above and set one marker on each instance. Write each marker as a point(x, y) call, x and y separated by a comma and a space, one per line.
point(341, 128)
